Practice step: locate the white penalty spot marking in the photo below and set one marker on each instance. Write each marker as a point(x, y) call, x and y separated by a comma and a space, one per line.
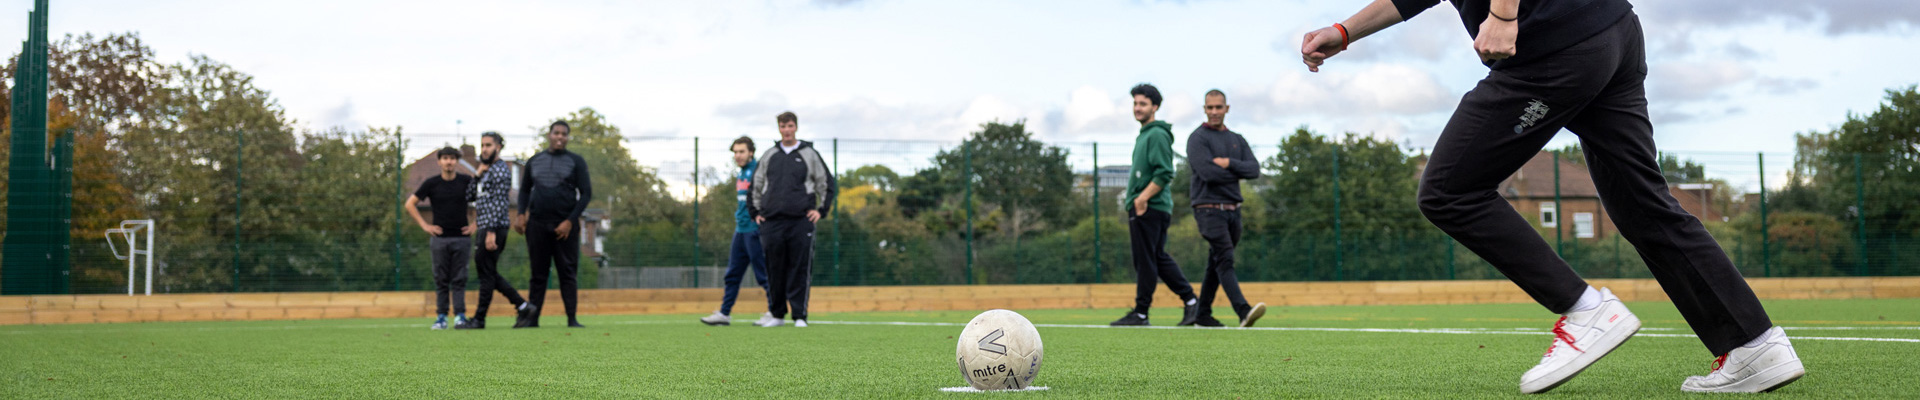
point(970, 389)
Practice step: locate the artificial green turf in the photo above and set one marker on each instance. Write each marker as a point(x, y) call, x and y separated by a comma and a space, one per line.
point(676, 357)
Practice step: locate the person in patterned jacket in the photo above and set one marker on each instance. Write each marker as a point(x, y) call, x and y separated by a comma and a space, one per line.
point(489, 196)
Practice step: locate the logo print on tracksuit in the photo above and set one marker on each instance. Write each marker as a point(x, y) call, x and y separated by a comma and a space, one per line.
point(1534, 112)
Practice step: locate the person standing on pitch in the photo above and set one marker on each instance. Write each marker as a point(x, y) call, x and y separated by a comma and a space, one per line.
point(450, 247)
point(1220, 159)
point(1579, 65)
point(792, 188)
point(1150, 212)
point(489, 195)
point(747, 251)
point(554, 191)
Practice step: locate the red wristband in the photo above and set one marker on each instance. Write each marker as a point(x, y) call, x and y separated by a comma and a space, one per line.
point(1343, 35)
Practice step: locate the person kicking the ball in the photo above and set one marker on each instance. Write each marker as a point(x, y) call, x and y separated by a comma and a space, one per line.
point(1220, 159)
point(1150, 211)
point(1579, 65)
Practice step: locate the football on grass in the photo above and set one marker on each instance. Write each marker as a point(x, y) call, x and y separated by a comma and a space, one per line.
point(999, 350)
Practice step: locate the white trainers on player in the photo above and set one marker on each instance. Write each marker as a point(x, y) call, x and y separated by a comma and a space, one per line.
point(1579, 339)
point(1755, 368)
point(770, 322)
point(717, 319)
point(764, 317)
point(799, 323)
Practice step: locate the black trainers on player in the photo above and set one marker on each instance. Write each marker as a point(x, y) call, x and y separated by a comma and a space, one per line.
point(1207, 320)
point(1132, 319)
point(1190, 313)
point(525, 310)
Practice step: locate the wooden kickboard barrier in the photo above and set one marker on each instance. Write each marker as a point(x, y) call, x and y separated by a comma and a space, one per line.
point(57, 309)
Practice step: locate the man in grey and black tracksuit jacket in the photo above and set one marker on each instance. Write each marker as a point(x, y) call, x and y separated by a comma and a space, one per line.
point(554, 190)
point(792, 189)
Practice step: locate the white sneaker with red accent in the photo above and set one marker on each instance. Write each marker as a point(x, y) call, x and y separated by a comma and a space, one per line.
point(1581, 338)
point(1756, 369)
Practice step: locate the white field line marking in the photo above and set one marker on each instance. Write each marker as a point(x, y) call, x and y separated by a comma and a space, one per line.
point(970, 389)
point(422, 326)
point(1456, 331)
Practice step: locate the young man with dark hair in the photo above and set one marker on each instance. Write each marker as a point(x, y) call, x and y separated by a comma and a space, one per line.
point(792, 189)
point(554, 191)
point(451, 224)
point(1150, 212)
point(747, 252)
point(1579, 65)
point(489, 195)
point(1220, 159)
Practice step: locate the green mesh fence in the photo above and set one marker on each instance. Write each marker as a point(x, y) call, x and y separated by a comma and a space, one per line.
point(279, 211)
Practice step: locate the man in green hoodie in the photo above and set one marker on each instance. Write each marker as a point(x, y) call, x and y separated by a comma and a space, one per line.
point(1150, 211)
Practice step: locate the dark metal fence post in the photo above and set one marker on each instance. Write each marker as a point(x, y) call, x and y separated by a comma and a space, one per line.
point(1339, 247)
point(1559, 242)
point(399, 203)
point(967, 179)
point(696, 212)
point(838, 276)
point(239, 189)
point(1859, 217)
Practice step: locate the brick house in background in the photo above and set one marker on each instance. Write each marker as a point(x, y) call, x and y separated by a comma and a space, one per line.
point(1531, 192)
point(595, 220)
point(1699, 199)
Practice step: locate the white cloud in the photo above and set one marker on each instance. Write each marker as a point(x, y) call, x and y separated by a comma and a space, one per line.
point(1090, 108)
point(1379, 89)
point(1836, 16)
point(1683, 81)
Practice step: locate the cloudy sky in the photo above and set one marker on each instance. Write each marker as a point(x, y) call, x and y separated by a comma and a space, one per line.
point(1729, 77)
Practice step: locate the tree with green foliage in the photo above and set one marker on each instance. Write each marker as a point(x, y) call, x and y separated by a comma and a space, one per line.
point(1871, 160)
point(879, 176)
point(1027, 179)
point(1381, 229)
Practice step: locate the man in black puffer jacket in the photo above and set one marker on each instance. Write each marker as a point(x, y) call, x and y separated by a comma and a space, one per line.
point(791, 191)
point(554, 185)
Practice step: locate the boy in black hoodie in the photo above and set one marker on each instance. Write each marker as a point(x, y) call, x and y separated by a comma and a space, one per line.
point(792, 189)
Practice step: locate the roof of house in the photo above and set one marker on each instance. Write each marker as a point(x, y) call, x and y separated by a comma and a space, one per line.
point(428, 165)
point(1535, 179)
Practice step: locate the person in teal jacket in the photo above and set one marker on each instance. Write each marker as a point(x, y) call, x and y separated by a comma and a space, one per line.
point(746, 239)
point(1150, 211)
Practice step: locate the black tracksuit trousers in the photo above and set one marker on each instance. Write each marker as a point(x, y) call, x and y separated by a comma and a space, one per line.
point(789, 251)
point(486, 265)
point(1148, 232)
point(1221, 229)
point(1596, 89)
point(549, 252)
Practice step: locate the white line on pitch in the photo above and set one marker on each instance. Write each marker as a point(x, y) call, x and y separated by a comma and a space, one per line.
point(1456, 331)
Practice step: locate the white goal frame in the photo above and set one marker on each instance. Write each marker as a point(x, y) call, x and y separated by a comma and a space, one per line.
point(131, 230)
